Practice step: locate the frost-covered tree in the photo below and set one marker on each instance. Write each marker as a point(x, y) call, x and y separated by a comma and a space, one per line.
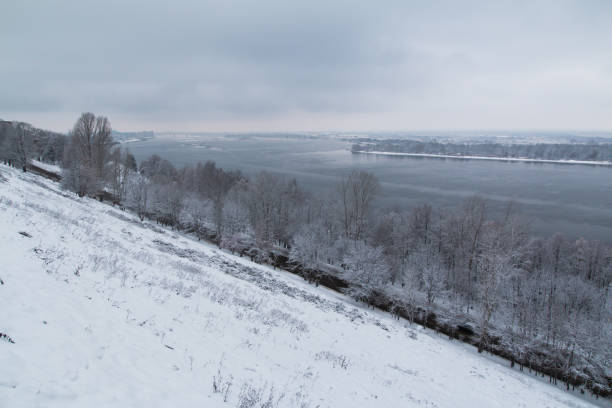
point(492, 268)
point(76, 176)
point(311, 246)
point(120, 167)
point(166, 203)
point(138, 192)
point(158, 170)
point(273, 204)
point(16, 143)
point(366, 266)
point(214, 184)
point(356, 192)
point(199, 211)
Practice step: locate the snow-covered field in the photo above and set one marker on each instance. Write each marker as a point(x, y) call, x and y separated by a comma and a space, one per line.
point(106, 311)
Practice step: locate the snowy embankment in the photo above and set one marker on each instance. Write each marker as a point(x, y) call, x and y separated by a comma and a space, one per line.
point(52, 168)
point(108, 311)
point(511, 159)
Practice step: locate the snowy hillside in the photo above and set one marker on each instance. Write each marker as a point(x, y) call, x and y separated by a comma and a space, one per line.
point(107, 311)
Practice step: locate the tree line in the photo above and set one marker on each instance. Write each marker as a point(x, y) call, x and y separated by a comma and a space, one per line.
point(20, 143)
point(542, 302)
point(541, 151)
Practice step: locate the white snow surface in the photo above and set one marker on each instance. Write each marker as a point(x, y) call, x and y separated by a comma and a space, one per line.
point(53, 168)
point(106, 311)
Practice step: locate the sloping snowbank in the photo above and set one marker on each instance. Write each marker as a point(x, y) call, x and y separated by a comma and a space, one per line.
point(53, 168)
point(108, 311)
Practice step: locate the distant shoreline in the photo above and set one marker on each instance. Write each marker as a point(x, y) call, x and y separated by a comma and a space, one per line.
point(512, 159)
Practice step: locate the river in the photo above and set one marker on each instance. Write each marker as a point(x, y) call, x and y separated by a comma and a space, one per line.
point(575, 200)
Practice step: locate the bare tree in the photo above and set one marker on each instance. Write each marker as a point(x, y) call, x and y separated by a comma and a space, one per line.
point(138, 194)
point(121, 165)
point(87, 153)
point(76, 176)
point(23, 145)
point(166, 203)
point(311, 246)
point(366, 265)
point(272, 202)
point(115, 173)
point(215, 183)
point(199, 211)
point(474, 217)
point(357, 192)
point(16, 144)
point(492, 267)
point(101, 144)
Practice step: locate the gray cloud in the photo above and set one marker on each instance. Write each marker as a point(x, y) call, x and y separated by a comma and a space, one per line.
point(309, 65)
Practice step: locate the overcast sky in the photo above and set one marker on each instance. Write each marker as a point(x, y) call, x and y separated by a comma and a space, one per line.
point(312, 65)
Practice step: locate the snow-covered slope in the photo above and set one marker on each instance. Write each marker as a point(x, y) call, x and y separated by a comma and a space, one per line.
point(53, 168)
point(108, 311)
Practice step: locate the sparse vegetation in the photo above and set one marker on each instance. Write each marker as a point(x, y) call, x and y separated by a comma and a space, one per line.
point(222, 384)
point(541, 302)
point(258, 397)
point(337, 360)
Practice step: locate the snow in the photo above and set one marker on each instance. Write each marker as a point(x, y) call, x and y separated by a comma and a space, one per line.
point(512, 159)
point(108, 311)
point(53, 168)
